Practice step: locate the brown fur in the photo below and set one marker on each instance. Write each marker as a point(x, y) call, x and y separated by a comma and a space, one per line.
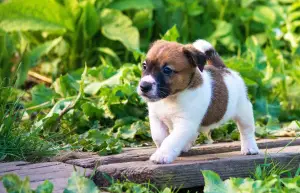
point(214, 59)
point(171, 53)
point(219, 101)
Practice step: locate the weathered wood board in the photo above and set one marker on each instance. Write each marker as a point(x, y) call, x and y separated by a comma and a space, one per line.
point(185, 172)
point(56, 172)
point(133, 164)
point(143, 154)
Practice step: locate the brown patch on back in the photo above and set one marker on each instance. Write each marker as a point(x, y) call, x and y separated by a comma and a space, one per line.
point(171, 53)
point(219, 100)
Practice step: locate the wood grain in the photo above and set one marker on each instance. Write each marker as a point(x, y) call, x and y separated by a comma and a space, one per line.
point(56, 172)
point(143, 154)
point(185, 172)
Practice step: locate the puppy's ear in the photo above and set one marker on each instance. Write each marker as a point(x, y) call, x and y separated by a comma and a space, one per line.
point(194, 56)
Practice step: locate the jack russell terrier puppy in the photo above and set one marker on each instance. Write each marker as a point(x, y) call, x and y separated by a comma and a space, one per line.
point(185, 96)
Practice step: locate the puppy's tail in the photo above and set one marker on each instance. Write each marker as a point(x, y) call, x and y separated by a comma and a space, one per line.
point(213, 57)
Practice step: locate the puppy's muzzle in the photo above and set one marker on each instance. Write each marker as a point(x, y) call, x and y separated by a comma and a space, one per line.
point(146, 86)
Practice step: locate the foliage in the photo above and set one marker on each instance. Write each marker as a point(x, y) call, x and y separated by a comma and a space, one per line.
point(128, 187)
point(77, 183)
point(13, 183)
point(101, 110)
point(270, 183)
point(15, 141)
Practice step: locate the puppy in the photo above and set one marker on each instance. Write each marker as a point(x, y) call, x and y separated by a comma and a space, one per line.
point(189, 89)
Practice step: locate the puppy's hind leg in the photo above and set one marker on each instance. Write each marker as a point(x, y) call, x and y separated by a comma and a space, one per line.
point(246, 126)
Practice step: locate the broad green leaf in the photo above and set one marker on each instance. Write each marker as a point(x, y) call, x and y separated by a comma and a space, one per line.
point(131, 4)
point(73, 8)
point(13, 183)
point(110, 53)
point(223, 28)
point(16, 15)
point(127, 132)
point(80, 184)
point(213, 182)
point(194, 8)
point(264, 14)
point(31, 58)
point(45, 187)
point(66, 86)
point(41, 94)
point(171, 35)
point(273, 124)
point(94, 87)
point(239, 185)
point(92, 111)
point(167, 190)
point(143, 19)
point(90, 20)
point(117, 26)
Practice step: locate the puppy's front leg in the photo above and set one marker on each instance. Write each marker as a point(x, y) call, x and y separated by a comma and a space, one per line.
point(159, 131)
point(183, 132)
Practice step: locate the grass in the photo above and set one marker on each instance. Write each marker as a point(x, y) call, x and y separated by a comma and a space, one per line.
point(17, 142)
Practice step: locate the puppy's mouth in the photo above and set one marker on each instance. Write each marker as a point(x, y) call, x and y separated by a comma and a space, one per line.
point(152, 96)
point(149, 97)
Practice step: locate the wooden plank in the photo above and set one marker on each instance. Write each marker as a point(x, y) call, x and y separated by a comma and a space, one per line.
point(56, 172)
point(143, 154)
point(185, 172)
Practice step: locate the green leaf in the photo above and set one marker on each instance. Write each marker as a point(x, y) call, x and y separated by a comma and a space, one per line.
point(90, 20)
point(92, 111)
point(66, 86)
point(41, 94)
point(264, 14)
point(167, 190)
point(13, 183)
point(80, 184)
point(117, 26)
point(223, 28)
point(195, 9)
point(46, 187)
point(31, 58)
point(143, 19)
point(131, 4)
point(172, 34)
point(239, 185)
point(94, 87)
point(110, 53)
point(273, 124)
point(213, 182)
point(16, 15)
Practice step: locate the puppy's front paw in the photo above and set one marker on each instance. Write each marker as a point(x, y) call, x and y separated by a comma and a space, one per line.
point(249, 147)
point(160, 157)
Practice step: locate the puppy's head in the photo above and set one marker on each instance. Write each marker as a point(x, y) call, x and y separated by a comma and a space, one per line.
point(169, 68)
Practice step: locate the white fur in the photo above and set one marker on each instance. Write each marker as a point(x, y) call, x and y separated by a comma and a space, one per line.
point(182, 117)
point(202, 45)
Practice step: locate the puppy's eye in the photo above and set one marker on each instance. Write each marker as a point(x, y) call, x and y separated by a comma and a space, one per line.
point(167, 70)
point(144, 66)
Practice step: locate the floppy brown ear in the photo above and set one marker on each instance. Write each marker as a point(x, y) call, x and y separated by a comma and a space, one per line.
point(194, 56)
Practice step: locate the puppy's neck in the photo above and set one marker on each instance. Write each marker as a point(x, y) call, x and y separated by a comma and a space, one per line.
point(196, 80)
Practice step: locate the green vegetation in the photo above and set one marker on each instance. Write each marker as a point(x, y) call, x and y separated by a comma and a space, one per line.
point(50, 101)
point(268, 177)
point(77, 183)
point(99, 109)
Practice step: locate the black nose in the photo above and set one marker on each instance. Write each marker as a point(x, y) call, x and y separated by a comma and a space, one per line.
point(145, 86)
